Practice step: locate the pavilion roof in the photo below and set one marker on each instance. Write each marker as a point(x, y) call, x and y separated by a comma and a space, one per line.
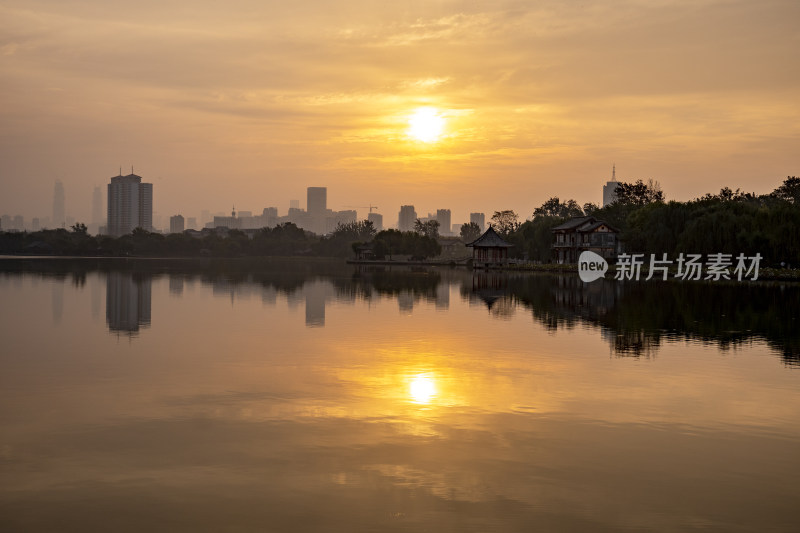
point(490, 239)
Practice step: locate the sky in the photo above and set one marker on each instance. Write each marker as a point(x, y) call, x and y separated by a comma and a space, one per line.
point(249, 102)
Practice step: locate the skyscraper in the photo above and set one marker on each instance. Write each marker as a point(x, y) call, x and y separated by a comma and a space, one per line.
point(59, 201)
point(406, 218)
point(176, 224)
point(443, 217)
point(610, 188)
point(479, 219)
point(317, 201)
point(377, 221)
point(130, 205)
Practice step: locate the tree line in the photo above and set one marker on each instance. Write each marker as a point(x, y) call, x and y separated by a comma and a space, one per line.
point(282, 240)
point(729, 222)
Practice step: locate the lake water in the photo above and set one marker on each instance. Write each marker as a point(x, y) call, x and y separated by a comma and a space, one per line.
point(316, 396)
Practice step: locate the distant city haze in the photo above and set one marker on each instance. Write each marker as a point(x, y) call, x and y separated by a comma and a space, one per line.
point(466, 107)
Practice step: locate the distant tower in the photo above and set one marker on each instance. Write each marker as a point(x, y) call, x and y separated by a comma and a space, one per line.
point(130, 205)
point(609, 189)
point(406, 218)
point(317, 201)
point(377, 221)
point(479, 219)
point(176, 224)
point(443, 217)
point(59, 218)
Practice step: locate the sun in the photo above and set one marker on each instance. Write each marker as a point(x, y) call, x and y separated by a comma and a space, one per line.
point(426, 125)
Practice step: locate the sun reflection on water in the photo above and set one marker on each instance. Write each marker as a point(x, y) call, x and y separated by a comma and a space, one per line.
point(422, 389)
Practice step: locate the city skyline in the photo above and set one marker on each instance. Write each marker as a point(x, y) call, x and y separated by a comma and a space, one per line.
point(474, 107)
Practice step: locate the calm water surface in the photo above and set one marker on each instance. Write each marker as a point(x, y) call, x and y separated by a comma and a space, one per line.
point(292, 396)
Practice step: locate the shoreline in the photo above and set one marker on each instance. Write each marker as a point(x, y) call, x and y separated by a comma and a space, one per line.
point(765, 273)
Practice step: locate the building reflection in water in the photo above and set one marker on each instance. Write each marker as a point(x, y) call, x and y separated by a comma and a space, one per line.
point(127, 302)
point(176, 285)
point(488, 288)
point(317, 294)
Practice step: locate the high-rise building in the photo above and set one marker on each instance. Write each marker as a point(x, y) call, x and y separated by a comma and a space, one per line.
point(406, 218)
point(479, 219)
point(59, 201)
point(317, 201)
point(610, 188)
point(443, 218)
point(377, 221)
point(130, 205)
point(176, 224)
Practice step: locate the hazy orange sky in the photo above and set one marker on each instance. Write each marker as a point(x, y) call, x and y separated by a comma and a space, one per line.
point(248, 102)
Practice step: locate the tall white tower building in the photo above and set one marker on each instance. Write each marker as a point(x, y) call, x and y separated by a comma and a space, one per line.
point(130, 205)
point(609, 189)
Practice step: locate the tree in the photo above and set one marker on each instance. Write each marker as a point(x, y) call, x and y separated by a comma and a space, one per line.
point(79, 228)
point(726, 194)
point(638, 193)
point(589, 208)
point(354, 231)
point(428, 229)
point(789, 191)
point(556, 208)
point(387, 242)
point(505, 222)
point(470, 231)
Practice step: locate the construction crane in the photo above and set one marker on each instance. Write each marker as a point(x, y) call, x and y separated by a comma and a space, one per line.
point(370, 207)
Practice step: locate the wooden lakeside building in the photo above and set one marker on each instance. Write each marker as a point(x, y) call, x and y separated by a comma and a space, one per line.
point(584, 233)
point(489, 250)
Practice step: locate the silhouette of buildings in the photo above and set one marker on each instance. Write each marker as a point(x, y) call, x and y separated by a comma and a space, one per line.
point(479, 219)
point(176, 224)
point(406, 218)
point(609, 189)
point(319, 219)
point(59, 201)
point(377, 221)
point(443, 217)
point(317, 200)
point(128, 302)
point(130, 205)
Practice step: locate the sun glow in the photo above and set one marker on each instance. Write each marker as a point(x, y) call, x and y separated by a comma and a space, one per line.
point(426, 125)
point(422, 389)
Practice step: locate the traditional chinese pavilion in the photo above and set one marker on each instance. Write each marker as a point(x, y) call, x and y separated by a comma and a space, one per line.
point(489, 250)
